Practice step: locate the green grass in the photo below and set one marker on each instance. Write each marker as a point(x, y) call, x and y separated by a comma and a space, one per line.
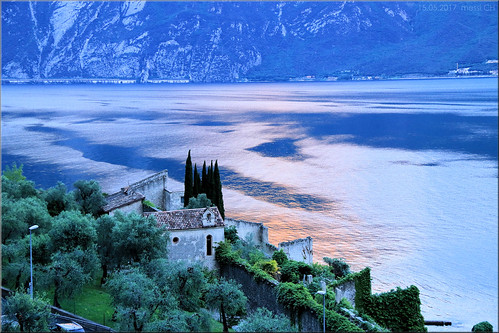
point(93, 303)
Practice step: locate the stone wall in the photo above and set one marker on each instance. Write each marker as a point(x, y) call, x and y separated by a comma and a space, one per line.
point(174, 200)
point(299, 249)
point(136, 207)
point(254, 232)
point(264, 294)
point(346, 290)
point(153, 188)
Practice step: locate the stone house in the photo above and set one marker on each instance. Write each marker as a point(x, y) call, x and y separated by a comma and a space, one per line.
point(153, 188)
point(194, 233)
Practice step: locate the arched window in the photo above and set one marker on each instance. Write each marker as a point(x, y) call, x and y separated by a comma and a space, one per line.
point(209, 248)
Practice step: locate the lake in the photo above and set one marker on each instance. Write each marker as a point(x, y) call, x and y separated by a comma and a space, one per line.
point(400, 175)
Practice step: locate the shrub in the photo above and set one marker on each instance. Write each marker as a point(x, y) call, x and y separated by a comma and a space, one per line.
point(338, 266)
point(230, 234)
point(335, 322)
point(483, 326)
point(225, 255)
point(268, 266)
point(256, 256)
point(263, 320)
point(293, 271)
point(280, 257)
point(294, 296)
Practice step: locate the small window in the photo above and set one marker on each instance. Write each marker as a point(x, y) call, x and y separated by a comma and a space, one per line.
point(209, 247)
point(175, 240)
point(182, 199)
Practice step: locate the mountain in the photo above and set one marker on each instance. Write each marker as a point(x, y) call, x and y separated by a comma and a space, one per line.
point(234, 41)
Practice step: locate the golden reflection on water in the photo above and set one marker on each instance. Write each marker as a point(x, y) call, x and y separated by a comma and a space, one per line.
point(406, 214)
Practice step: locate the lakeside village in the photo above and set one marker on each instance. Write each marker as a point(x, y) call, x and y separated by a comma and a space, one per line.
point(486, 69)
point(150, 259)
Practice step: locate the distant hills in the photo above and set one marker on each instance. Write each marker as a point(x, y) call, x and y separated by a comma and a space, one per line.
point(244, 41)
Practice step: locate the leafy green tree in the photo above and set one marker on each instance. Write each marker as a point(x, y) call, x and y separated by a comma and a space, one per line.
point(15, 184)
point(19, 214)
point(337, 266)
point(200, 202)
point(136, 298)
point(180, 321)
point(227, 297)
point(31, 315)
point(263, 320)
point(14, 172)
point(59, 200)
point(106, 249)
point(185, 280)
point(71, 229)
point(188, 183)
point(138, 239)
point(74, 258)
point(70, 271)
point(89, 197)
point(15, 266)
point(18, 189)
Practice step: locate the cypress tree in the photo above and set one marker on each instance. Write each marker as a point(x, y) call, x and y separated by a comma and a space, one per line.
point(204, 181)
point(218, 188)
point(197, 182)
point(211, 183)
point(188, 179)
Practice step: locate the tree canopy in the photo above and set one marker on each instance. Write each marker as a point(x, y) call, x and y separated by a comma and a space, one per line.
point(25, 314)
point(226, 297)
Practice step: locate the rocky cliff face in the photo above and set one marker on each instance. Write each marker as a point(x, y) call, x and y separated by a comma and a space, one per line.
point(233, 41)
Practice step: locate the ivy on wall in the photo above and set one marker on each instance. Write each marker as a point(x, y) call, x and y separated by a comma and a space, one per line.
point(398, 310)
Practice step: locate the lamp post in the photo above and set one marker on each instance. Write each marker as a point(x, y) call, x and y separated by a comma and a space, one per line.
point(323, 293)
point(33, 227)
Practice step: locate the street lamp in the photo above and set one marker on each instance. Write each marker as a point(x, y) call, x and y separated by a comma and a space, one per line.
point(323, 293)
point(33, 227)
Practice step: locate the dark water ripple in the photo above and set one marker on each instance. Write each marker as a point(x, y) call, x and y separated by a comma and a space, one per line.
point(278, 148)
point(131, 157)
point(421, 131)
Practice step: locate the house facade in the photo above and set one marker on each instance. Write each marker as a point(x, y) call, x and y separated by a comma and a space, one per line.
point(194, 233)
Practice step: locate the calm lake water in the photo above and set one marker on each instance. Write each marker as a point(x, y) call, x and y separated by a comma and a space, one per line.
point(400, 176)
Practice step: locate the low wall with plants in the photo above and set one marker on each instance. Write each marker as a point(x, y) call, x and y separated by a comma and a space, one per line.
point(399, 309)
point(264, 293)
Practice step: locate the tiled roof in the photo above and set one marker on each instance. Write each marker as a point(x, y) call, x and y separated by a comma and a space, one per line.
point(187, 218)
point(122, 198)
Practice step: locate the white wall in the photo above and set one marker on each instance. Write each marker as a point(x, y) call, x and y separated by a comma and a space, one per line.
point(191, 245)
point(299, 249)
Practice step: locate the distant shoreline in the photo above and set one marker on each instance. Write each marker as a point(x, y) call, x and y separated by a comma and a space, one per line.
point(186, 81)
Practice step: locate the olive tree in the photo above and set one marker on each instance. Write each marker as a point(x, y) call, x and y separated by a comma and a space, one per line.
point(226, 297)
point(89, 197)
point(136, 298)
point(138, 239)
point(263, 320)
point(22, 313)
